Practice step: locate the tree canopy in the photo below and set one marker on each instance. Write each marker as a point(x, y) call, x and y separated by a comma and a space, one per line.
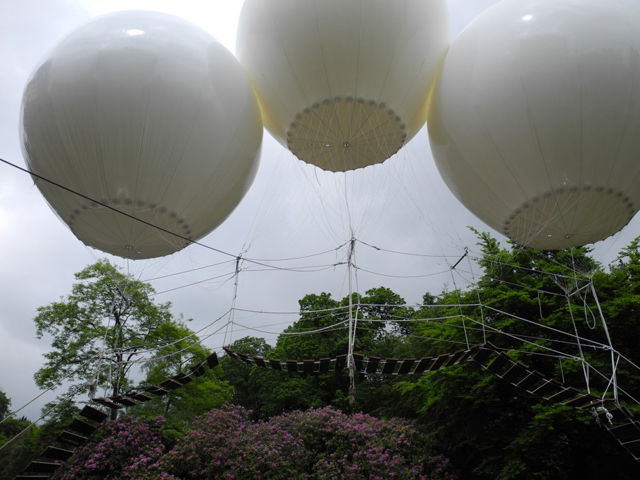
point(544, 309)
point(107, 323)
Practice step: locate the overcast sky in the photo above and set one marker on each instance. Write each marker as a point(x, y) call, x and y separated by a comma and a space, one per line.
point(291, 211)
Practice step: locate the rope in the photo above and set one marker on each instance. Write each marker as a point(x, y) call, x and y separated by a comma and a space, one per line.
point(606, 331)
point(53, 387)
point(351, 360)
point(453, 278)
point(234, 298)
point(473, 277)
point(585, 368)
point(31, 424)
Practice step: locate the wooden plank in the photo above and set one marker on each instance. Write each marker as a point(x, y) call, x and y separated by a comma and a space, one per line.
point(483, 355)
point(71, 438)
point(259, 361)
point(372, 365)
point(81, 427)
point(516, 373)
point(292, 366)
point(389, 366)
point(633, 447)
point(581, 401)
point(244, 358)
point(531, 380)
point(198, 369)
point(406, 365)
point(424, 364)
point(231, 353)
point(42, 467)
point(122, 400)
point(325, 363)
point(548, 388)
point(212, 360)
point(499, 363)
point(56, 453)
point(439, 361)
point(453, 358)
point(170, 384)
point(627, 432)
point(564, 394)
point(309, 366)
point(182, 378)
point(155, 390)
point(94, 414)
point(275, 364)
point(140, 397)
point(465, 355)
point(107, 403)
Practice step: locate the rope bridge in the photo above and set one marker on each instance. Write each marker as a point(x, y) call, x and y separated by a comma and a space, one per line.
point(621, 424)
point(608, 413)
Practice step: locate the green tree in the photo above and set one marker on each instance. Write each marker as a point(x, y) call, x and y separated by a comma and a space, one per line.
point(530, 300)
point(5, 405)
point(15, 452)
point(328, 318)
point(108, 321)
point(197, 397)
point(619, 290)
point(243, 377)
point(325, 319)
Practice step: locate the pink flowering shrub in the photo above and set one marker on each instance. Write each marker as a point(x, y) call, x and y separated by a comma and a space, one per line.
point(361, 446)
point(225, 443)
point(318, 444)
point(124, 449)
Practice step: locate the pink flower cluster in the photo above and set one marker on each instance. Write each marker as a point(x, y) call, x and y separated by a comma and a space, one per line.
point(125, 449)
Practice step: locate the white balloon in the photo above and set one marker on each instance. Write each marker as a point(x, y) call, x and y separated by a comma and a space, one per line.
point(535, 119)
point(343, 83)
point(148, 114)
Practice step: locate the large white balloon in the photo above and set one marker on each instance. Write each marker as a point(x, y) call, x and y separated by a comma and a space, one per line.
point(343, 83)
point(535, 119)
point(148, 114)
